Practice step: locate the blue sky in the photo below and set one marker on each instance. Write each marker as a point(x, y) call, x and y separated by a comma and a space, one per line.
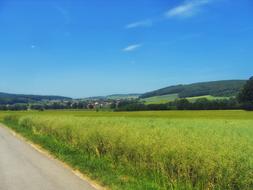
point(81, 48)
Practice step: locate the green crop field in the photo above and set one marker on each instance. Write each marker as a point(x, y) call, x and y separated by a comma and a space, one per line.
point(171, 97)
point(160, 99)
point(209, 97)
point(174, 150)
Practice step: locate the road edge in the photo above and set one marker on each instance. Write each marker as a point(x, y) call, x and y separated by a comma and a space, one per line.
point(46, 153)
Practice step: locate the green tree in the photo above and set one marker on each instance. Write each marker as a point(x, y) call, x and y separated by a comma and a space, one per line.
point(182, 104)
point(246, 95)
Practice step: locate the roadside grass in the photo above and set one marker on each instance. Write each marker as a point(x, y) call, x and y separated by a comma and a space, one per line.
point(187, 150)
point(3, 114)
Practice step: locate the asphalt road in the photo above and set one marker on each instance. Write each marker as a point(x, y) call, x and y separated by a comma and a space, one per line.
point(24, 168)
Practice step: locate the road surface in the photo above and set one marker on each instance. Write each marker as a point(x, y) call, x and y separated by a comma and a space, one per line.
point(24, 168)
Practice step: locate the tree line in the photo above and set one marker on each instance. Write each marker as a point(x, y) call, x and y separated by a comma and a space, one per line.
point(47, 106)
point(181, 104)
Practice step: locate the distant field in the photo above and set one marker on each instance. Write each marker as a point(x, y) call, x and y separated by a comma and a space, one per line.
point(160, 99)
point(171, 97)
point(117, 97)
point(175, 150)
point(209, 97)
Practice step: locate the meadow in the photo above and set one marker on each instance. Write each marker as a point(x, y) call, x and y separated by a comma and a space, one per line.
point(172, 97)
point(160, 99)
point(174, 150)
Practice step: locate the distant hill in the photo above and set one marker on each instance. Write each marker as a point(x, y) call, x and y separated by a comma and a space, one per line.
point(6, 98)
point(225, 88)
point(123, 96)
point(114, 97)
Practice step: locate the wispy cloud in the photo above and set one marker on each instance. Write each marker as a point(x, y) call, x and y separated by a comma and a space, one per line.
point(132, 47)
point(144, 23)
point(187, 9)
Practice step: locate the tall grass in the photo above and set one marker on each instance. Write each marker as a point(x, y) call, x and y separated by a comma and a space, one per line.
point(201, 154)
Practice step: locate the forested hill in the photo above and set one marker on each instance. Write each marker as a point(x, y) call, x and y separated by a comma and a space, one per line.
point(6, 98)
point(216, 88)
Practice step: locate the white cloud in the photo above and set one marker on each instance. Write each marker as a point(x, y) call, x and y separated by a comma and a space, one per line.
point(144, 23)
point(33, 46)
point(132, 47)
point(187, 9)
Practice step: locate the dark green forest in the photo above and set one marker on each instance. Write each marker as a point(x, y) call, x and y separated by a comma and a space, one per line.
point(11, 99)
point(226, 88)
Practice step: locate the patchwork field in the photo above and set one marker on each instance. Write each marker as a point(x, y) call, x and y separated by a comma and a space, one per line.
point(177, 150)
point(208, 97)
point(160, 99)
point(171, 97)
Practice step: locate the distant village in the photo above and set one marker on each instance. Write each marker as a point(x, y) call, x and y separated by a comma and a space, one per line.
point(89, 103)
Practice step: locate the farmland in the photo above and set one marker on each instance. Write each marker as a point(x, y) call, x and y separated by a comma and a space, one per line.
point(160, 99)
point(208, 97)
point(195, 150)
point(172, 97)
